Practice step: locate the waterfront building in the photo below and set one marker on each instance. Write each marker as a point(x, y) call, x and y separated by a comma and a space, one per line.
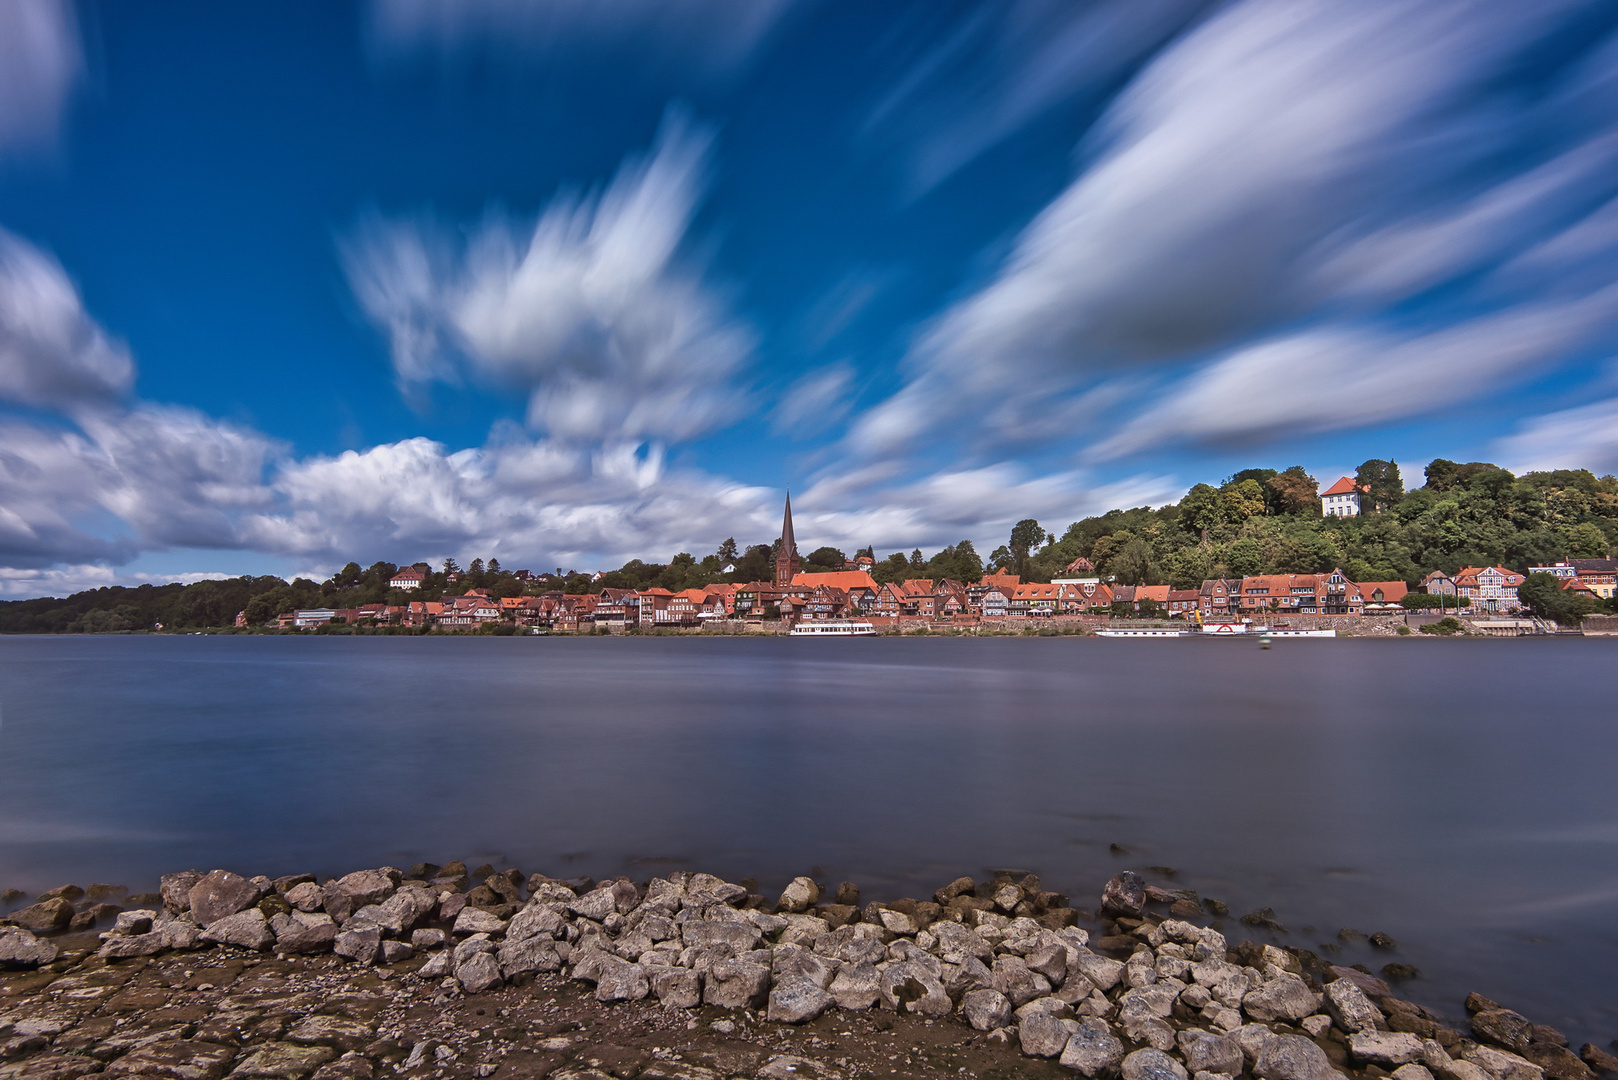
point(407, 577)
point(1599, 575)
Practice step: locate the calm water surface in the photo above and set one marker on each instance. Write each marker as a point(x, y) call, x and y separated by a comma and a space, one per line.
point(1460, 796)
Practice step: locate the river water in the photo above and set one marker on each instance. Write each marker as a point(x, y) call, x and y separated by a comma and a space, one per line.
point(1461, 796)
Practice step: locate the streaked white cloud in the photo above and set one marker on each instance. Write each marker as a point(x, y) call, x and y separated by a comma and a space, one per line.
point(976, 79)
point(709, 35)
point(589, 311)
point(1585, 437)
point(1358, 376)
point(52, 354)
point(40, 63)
point(815, 402)
point(1271, 183)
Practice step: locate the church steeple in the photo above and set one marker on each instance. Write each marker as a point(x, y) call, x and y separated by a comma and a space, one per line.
point(786, 556)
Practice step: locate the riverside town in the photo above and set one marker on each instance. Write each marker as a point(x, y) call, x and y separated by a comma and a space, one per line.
point(1474, 550)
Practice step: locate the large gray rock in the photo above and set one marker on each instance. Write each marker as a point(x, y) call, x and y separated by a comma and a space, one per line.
point(349, 893)
point(1206, 1052)
point(1125, 894)
point(1285, 997)
point(473, 920)
point(986, 1009)
point(138, 921)
point(856, 985)
point(1143, 1013)
point(1351, 1008)
point(794, 961)
point(219, 894)
point(176, 889)
point(621, 980)
point(1102, 972)
point(248, 929)
point(1010, 976)
point(1049, 958)
point(21, 949)
point(401, 912)
point(305, 896)
point(910, 986)
point(736, 984)
point(847, 945)
point(1503, 1027)
point(799, 896)
point(362, 943)
point(1502, 1064)
point(178, 931)
point(1385, 1047)
point(1044, 1035)
point(1151, 1064)
point(955, 943)
point(529, 955)
point(677, 987)
point(797, 999)
point(741, 936)
point(44, 917)
point(537, 920)
point(1092, 1049)
point(132, 945)
point(304, 932)
point(1292, 1057)
point(478, 972)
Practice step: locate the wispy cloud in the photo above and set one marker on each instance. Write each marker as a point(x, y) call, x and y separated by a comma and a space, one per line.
point(589, 311)
point(1585, 437)
point(1273, 183)
point(52, 354)
point(970, 82)
point(711, 35)
point(40, 64)
point(815, 402)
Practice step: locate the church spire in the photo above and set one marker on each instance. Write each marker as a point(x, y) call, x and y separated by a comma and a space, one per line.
point(786, 556)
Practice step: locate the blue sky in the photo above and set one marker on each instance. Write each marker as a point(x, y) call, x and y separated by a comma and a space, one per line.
point(567, 282)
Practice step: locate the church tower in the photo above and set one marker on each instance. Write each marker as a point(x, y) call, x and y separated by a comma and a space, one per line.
point(786, 556)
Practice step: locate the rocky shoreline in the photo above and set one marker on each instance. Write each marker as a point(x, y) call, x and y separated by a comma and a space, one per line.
point(433, 972)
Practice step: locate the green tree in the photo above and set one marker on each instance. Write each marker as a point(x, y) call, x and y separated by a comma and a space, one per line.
point(1380, 485)
point(727, 550)
point(1586, 541)
point(917, 563)
point(1544, 596)
point(1026, 536)
point(494, 567)
point(1295, 492)
point(826, 558)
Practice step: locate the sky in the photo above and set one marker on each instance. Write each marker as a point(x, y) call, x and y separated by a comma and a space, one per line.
point(566, 282)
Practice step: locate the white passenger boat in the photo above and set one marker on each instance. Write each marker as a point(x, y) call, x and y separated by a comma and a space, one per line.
point(834, 628)
point(1144, 632)
point(1283, 632)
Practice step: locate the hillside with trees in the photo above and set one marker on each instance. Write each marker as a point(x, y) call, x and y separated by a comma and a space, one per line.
point(1257, 521)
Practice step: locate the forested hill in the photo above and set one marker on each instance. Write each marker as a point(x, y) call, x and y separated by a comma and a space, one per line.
point(1258, 521)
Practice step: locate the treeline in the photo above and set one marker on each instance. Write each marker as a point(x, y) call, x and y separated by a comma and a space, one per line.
point(1258, 521)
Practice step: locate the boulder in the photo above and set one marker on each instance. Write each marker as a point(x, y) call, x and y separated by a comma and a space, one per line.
point(473, 920)
point(304, 932)
point(1502, 1027)
point(305, 896)
point(138, 921)
point(911, 986)
point(1092, 1049)
point(1206, 1052)
point(1285, 997)
point(1502, 1064)
point(175, 889)
point(19, 948)
point(1602, 1062)
point(1150, 1064)
point(1559, 1062)
point(1043, 1035)
point(677, 987)
point(1291, 1057)
point(44, 917)
point(1413, 1071)
point(248, 929)
point(1352, 1009)
point(535, 920)
point(794, 961)
point(986, 1009)
point(620, 980)
point(596, 904)
point(530, 954)
point(1124, 894)
point(1010, 975)
point(799, 896)
point(219, 894)
point(736, 984)
point(1385, 1047)
point(478, 972)
point(361, 943)
point(797, 999)
point(856, 985)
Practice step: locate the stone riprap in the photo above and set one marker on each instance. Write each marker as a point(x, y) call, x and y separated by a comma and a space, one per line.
point(691, 977)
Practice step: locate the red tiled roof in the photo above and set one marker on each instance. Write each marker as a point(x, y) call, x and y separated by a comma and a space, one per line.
point(841, 579)
point(1344, 486)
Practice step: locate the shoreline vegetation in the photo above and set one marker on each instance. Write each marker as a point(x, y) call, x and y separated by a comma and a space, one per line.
point(437, 972)
point(1257, 522)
